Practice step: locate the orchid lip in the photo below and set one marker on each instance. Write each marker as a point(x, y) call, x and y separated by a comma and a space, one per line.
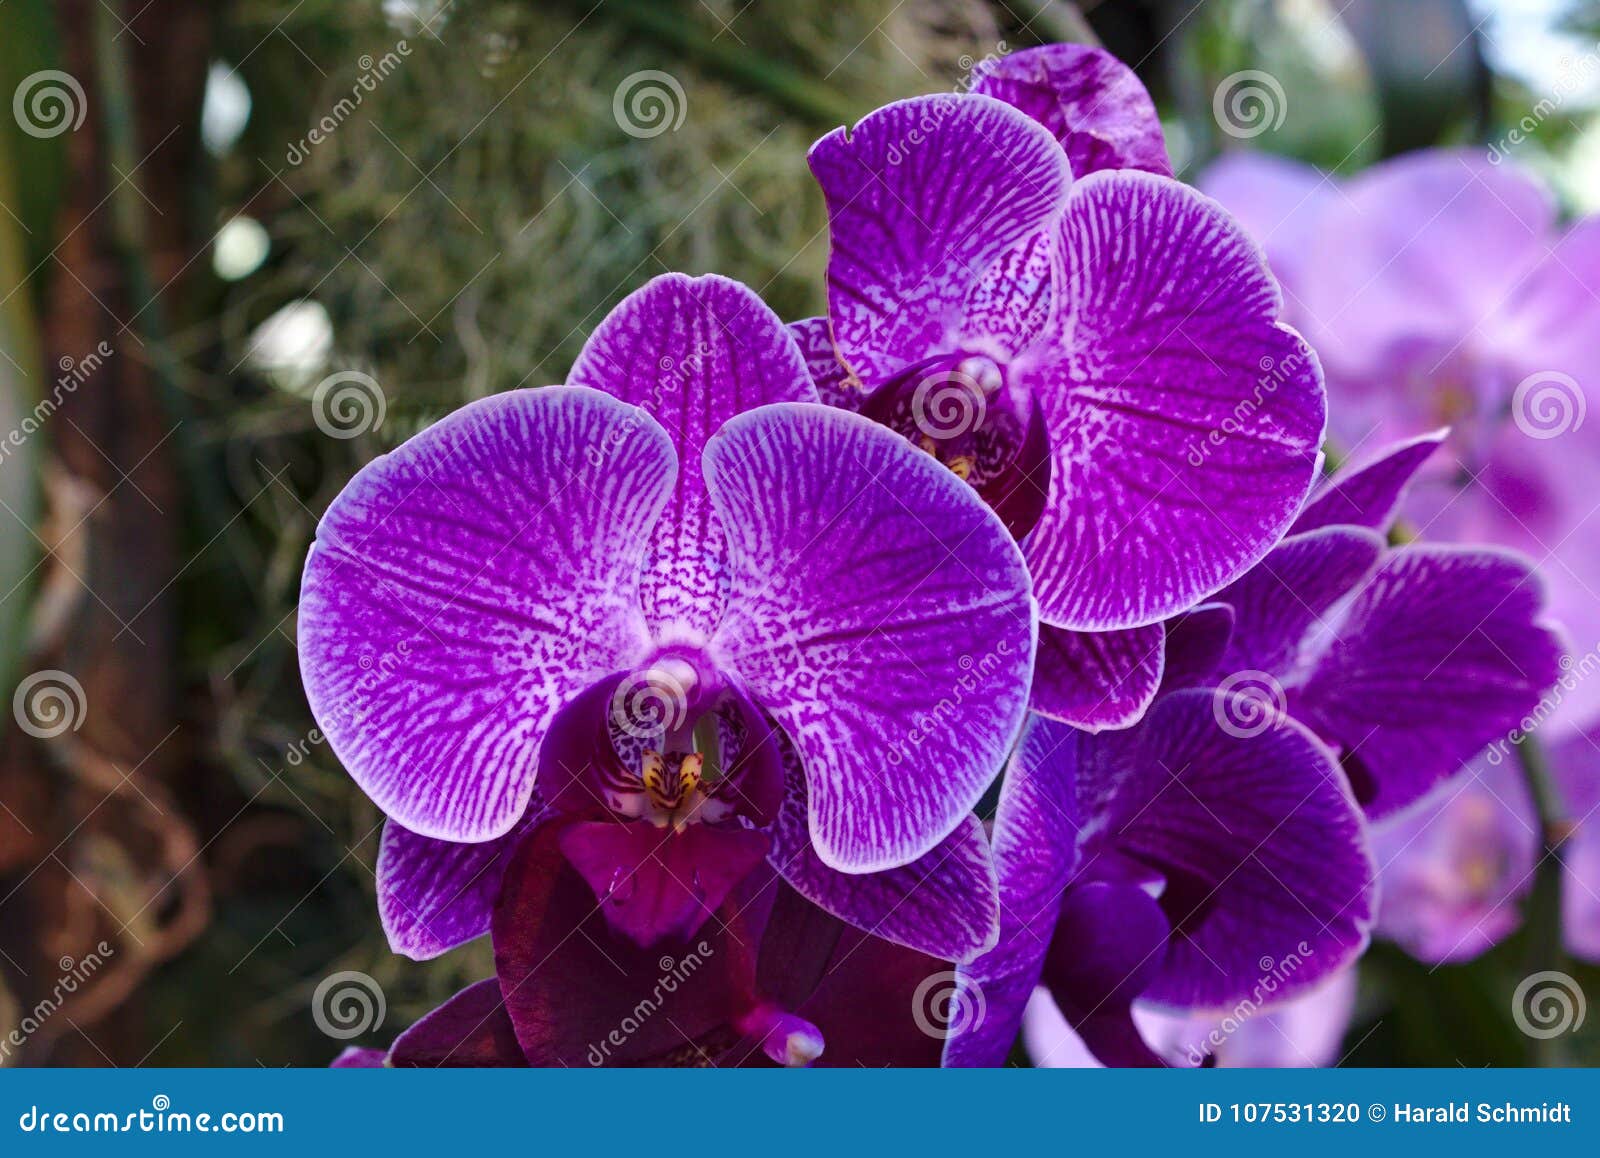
point(969, 413)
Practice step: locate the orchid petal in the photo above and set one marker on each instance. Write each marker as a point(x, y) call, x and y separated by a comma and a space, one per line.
point(1096, 680)
point(465, 586)
point(1092, 102)
point(860, 568)
point(691, 352)
point(1185, 418)
point(923, 196)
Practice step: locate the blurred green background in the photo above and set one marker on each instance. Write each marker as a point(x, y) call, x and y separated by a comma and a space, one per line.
point(248, 196)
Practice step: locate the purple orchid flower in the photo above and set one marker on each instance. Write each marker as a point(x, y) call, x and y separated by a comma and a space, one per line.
point(1454, 867)
point(685, 621)
point(1576, 765)
point(1439, 289)
point(770, 980)
point(1017, 285)
point(1259, 1033)
point(1337, 681)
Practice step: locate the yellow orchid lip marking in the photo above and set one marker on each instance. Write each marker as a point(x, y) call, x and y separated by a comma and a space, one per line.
point(669, 787)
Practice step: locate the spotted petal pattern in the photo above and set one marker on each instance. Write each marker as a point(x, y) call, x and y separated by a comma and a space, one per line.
point(923, 196)
point(882, 614)
point(1091, 101)
point(692, 352)
point(1185, 418)
point(464, 587)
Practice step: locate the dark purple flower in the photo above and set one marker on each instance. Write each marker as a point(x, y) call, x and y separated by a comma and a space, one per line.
point(1172, 862)
point(1175, 862)
point(691, 621)
point(1022, 290)
point(769, 979)
point(1303, 1032)
point(1439, 290)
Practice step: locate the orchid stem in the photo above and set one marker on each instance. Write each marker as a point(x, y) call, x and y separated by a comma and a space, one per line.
point(1545, 947)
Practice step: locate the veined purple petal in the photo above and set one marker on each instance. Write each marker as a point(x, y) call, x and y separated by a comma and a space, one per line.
point(1091, 101)
point(944, 904)
point(1097, 679)
point(1443, 650)
point(830, 375)
point(1035, 851)
point(1261, 847)
point(1369, 495)
point(465, 586)
point(1185, 418)
point(1283, 598)
point(470, 1030)
point(436, 894)
point(862, 572)
point(692, 352)
point(1196, 642)
point(923, 196)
